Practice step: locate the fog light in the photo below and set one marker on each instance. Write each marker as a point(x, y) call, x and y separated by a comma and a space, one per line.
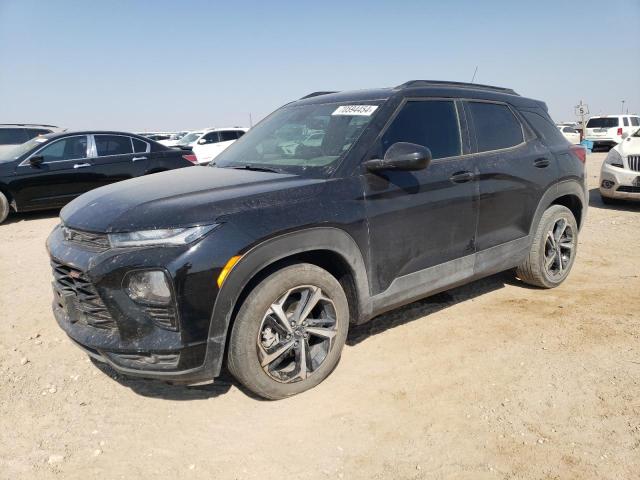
point(607, 184)
point(149, 286)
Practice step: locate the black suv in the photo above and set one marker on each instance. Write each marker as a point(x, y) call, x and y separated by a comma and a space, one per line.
point(335, 208)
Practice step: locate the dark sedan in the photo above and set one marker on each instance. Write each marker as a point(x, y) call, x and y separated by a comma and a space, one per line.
point(51, 170)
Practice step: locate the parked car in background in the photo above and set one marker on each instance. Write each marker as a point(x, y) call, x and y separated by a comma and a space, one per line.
point(157, 137)
point(12, 134)
point(262, 260)
point(214, 141)
point(607, 130)
point(570, 133)
point(189, 140)
point(173, 139)
point(620, 172)
point(50, 170)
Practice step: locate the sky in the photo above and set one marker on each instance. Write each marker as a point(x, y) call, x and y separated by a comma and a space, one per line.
point(180, 65)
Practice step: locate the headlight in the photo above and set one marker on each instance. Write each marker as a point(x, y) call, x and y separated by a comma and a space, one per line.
point(614, 158)
point(168, 236)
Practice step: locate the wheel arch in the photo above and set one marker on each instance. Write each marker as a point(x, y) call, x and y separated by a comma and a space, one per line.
point(570, 194)
point(330, 248)
point(7, 193)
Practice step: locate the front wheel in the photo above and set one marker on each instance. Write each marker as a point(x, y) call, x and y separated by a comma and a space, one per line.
point(289, 332)
point(4, 207)
point(553, 249)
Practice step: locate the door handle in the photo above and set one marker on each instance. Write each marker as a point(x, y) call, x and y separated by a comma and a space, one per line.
point(135, 159)
point(461, 177)
point(541, 162)
point(81, 165)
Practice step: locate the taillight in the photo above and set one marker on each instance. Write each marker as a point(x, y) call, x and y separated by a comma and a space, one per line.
point(191, 158)
point(620, 131)
point(580, 152)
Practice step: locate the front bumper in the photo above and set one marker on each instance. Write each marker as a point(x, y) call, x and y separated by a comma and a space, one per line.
point(91, 306)
point(619, 183)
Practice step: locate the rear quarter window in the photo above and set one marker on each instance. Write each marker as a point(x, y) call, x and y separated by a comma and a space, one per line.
point(544, 128)
point(635, 121)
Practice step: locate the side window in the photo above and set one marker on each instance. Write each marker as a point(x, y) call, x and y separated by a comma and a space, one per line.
point(545, 130)
point(635, 121)
point(13, 136)
point(139, 146)
point(626, 121)
point(228, 135)
point(112, 145)
point(430, 123)
point(569, 130)
point(69, 148)
point(495, 125)
point(211, 137)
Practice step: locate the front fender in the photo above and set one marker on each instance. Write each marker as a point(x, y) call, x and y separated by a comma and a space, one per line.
point(267, 253)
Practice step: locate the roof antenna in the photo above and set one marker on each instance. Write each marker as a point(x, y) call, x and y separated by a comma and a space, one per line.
point(474, 74)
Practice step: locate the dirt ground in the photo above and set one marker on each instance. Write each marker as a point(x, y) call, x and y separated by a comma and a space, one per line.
point(492, 380)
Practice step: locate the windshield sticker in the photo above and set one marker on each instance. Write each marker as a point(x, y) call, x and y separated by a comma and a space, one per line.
point(363, 110)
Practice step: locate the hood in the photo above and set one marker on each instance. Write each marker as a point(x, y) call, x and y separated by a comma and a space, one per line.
point(629, 146)
point(182, 198)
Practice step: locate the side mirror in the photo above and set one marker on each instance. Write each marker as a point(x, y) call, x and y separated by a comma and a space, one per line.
point(202, 141)
point(36, 161)
point(402, 156)
point(624, 135)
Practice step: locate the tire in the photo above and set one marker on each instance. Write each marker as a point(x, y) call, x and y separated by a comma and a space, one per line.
point(549, 261)
point(258, 334)
point(4, 207)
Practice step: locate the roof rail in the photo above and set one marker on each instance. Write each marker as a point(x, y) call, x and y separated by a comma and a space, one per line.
point(441, 83)
point(316, 94)
point(30, 125)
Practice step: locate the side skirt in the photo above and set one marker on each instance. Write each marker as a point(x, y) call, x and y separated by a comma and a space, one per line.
point(432, 280)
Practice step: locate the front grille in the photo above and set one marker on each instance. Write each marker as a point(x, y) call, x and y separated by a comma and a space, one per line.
point(79, 298)
point(634, 162)
point(93, 241)
point(628, 189)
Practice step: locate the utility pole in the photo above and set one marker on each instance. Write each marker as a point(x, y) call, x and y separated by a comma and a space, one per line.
point(622, 111)
point(474, 74)
point(582, 110)
point(250, 121)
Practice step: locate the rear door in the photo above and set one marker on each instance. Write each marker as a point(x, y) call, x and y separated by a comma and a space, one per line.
point(116, 157)
point(515, 169)
point(58, 179)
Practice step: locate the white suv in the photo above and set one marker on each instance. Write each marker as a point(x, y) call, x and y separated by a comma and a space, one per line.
point(620, 173)
point(607, 130)
point(213, 141)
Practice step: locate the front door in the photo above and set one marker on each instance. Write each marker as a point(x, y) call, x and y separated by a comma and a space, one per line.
point(60, 177)
point(423, 222)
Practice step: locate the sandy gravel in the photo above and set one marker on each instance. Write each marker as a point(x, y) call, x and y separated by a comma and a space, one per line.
point(492, 380)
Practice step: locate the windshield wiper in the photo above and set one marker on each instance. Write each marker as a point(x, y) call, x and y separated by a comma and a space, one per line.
point(253, 168)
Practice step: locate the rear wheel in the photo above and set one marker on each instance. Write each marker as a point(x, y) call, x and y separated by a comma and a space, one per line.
point(4, 207)
point(289, 332)
point(553, 250)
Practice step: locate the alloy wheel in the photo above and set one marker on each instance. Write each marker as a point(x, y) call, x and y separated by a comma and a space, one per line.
point(559, 248)
point(296, 334)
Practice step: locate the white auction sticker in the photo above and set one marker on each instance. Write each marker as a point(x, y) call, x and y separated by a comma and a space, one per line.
point(364, 110)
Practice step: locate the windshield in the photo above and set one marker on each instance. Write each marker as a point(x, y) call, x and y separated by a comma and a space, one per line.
point(602, 123)
point(19, 150)
point(304, 140)
point(189, 138)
